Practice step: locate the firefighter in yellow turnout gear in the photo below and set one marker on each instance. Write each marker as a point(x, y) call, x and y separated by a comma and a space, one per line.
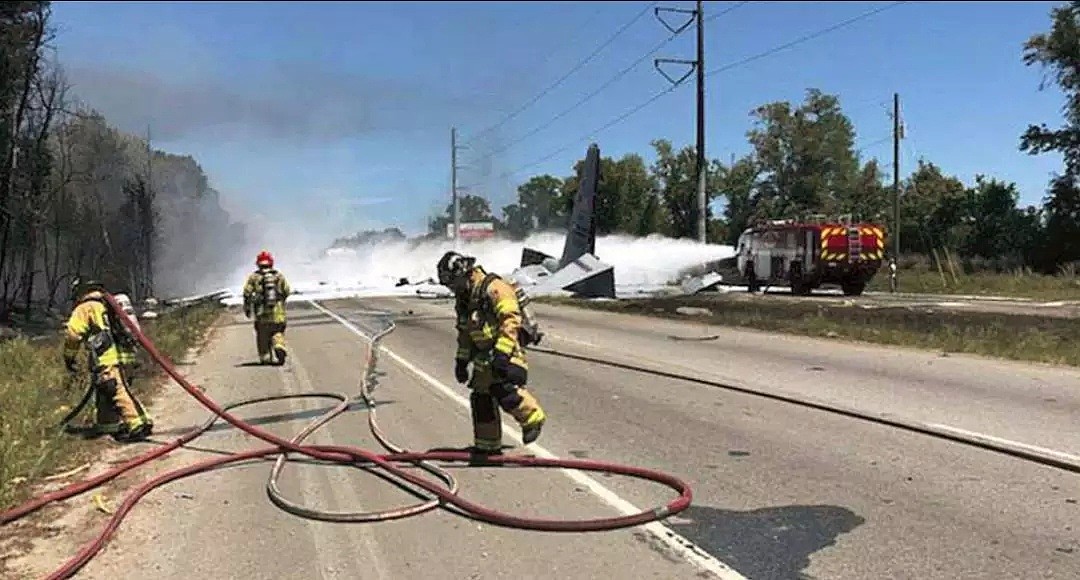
point(489, 318)
point(110, 348)
point(265, 292)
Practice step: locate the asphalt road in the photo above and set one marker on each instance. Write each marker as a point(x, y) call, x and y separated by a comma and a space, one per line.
point(781, 491)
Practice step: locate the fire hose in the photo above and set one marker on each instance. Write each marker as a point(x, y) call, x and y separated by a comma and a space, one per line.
point(353, 456)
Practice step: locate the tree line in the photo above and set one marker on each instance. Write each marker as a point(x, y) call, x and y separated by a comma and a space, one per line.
point(79, 197)
point(803, 160)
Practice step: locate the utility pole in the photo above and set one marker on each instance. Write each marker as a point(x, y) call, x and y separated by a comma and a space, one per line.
point(453, 183)
point(454, 186)
point(696, 65)
point(701, 167)
point(147, 227)
point(897, 135)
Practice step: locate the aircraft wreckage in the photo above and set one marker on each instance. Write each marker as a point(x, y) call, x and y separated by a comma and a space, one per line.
point(580, 271)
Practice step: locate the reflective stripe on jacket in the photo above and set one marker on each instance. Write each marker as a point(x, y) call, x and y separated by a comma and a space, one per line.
point(488, 323)
point(89, 323)
point(253, 295)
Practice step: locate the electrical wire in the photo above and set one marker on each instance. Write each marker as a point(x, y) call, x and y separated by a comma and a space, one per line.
point(724, 68)
point(567, 75)
point(619, 75)
point(805, 38)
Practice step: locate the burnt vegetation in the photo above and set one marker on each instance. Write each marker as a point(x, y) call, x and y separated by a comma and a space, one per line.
point(80, 197)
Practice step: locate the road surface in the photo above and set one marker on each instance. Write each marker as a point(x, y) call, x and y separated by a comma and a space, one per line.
point(781, 491)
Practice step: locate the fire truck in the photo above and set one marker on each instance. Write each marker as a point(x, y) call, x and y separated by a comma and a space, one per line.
point(810, 253)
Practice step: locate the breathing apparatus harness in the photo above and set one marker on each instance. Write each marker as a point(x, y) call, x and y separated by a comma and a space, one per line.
point(453, 270)
point(266, 294)
point(100, 340)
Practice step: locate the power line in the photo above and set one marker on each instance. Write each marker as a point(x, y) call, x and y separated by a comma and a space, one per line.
point(600, 89)
point(606, 126)
point(805, 38)
point(874, 143)
point(724, 68)
point(569, 73)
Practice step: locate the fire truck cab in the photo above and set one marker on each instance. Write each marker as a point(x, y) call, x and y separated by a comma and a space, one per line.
point(811, 253)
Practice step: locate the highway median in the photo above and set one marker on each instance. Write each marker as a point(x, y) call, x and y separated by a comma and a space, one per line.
point(35, 394)
point(1022, 337)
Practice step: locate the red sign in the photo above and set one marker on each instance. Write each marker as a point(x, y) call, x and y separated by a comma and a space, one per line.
point(473, 230)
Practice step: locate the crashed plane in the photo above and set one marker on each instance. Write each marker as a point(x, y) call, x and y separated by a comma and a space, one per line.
point(580, 271)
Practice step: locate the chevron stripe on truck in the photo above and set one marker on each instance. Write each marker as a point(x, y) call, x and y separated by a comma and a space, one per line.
point(810, 254)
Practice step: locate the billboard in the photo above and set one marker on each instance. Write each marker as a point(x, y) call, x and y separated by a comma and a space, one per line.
point(473, 230)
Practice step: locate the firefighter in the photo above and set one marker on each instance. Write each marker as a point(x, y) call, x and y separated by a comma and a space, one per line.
point(489, 318)
point(265, 292)
point(110, 347)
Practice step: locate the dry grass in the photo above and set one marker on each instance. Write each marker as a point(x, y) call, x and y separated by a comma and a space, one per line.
point(921, 275)
point(35, 394)
point(1017, 337)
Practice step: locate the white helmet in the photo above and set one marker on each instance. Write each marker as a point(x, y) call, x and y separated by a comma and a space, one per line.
point(125, 304)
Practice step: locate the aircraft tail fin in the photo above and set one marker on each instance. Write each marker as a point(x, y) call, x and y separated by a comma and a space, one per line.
point(581, 237)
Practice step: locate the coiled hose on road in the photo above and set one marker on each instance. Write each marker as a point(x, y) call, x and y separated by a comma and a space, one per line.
point(341, 455)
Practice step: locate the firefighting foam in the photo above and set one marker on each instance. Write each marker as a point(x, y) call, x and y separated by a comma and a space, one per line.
point(641, 264)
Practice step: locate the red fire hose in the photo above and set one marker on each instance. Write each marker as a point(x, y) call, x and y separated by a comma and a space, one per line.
point(345, 455)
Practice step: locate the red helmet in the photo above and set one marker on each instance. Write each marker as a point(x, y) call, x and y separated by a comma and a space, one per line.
point(264, 259)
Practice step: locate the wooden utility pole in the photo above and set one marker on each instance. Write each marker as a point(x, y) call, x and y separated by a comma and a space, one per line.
point(453, 186)
point(147, 226)
point(897, 135)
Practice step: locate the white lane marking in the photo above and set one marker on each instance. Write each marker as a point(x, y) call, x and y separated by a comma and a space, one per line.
point(677, 543)
point(1008, 442)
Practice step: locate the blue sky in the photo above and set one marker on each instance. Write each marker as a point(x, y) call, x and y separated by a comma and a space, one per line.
point(305, 109)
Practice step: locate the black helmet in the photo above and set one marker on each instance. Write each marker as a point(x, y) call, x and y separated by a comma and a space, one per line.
point(453, 267)
point(80, 285)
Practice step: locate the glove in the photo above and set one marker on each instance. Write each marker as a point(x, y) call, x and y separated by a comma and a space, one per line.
point(69, 364)
point(506, 371)
point(461, 371)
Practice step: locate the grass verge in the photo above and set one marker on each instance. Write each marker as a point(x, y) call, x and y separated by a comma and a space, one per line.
point(1019, 284)
point(35, 395)
point(1016, 337)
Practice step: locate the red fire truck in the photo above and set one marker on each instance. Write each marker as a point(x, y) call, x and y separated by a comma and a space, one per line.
point(810, 253)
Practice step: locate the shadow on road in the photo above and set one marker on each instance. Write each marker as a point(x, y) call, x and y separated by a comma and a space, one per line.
point(221, 425)
point(769, 543)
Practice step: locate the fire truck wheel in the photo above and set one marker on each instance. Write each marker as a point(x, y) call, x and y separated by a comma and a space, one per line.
point(853, 288)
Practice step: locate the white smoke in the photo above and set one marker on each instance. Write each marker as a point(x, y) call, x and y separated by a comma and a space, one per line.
point(639, 262)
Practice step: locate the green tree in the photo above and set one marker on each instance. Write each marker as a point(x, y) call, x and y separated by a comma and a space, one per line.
point(1058, 54)
point(995, 219)
point(473, 209)
point(676, 177)
point(622, 197)
point(538, 206)
point(930, 207)
point(806, 156)
point(737, 184)
point(516, 222)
